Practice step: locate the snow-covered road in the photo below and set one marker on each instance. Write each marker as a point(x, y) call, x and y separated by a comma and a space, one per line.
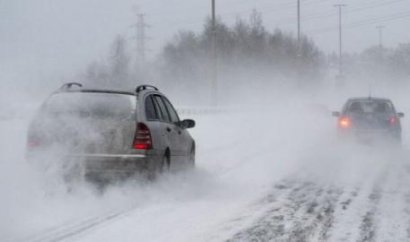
point(372, 206)
point(259, 177)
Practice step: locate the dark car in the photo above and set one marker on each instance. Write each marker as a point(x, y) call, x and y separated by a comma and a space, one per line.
point(369, 119)
point(106, 134)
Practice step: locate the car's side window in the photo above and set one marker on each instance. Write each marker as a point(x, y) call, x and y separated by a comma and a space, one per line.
point(171, 111)
point(150, 110)
point(163, 110)
point(157, 108)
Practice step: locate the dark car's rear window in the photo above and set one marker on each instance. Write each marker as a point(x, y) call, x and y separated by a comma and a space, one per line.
point(370, 107)
point(84, 104)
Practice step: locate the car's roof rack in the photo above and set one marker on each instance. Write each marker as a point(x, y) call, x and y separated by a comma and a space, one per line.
point(68, 85)
point(144, 87)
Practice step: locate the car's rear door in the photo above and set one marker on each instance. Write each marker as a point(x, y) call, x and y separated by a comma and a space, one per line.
point(167, 127)
point(153, 117)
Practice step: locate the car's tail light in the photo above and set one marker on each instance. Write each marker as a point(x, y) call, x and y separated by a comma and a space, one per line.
point(142, 139)
point(33, 143)
point(345, 122)
point(393, 120)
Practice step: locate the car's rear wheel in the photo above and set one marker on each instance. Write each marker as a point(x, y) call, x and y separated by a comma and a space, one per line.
point(73, 176)
point(192, 157)
point(162, 166)
point(397, 140)
point(165, 163)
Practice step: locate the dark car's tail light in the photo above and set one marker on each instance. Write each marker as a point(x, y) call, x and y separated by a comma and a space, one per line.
point(142, 139)
point(393, 120)
point(33, 143)
point(345, 122)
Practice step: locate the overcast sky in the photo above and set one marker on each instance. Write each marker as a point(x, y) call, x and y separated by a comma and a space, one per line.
point(52, 39)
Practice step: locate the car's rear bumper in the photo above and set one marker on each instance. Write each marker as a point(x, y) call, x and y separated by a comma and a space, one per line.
point(372, 135)
point(98, 166)
point(109, 164)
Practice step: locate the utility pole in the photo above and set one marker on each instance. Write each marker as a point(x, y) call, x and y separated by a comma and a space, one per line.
point(214, 58)
point(141, 48)
point(340, 6)
point(298, 12)
point(380, 29)
point(299, 62)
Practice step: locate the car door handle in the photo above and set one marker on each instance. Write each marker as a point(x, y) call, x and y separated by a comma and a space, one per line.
point(169, 129)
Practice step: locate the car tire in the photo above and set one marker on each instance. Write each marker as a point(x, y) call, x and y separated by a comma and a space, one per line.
point(398, 140)
point(165, 163)
point(192, 157)
point(161, 167)
point(74, 175)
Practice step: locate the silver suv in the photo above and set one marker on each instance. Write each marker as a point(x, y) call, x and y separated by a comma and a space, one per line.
point(105, 134)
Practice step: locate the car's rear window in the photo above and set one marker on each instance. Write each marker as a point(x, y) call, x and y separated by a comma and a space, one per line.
point(371, 107)
point(88, 104)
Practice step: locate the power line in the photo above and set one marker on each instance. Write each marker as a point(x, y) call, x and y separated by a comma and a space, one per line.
point(285, 6)
point(322, 15)
point(141, 42)
point(358, 9)
point(340, 6)
point(365, 22)
point(380, 19)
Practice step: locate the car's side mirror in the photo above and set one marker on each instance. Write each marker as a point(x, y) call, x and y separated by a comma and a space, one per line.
point(186, 123)
point(400, 115)
point(336, 114)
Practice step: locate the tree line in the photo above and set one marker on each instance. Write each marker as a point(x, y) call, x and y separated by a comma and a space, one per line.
point(247, 55)
point(244, 49)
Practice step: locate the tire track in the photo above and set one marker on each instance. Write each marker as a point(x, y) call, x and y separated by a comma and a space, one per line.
point(73, 229)
point(305, 212)
point(329, 218)
point(390, 217)
point(357, 216)
point(273, 214)
point(406, 198)
point(317, 216)
point(265, 205)
point(369, 224)
point(347, 200)
point(407, 212)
